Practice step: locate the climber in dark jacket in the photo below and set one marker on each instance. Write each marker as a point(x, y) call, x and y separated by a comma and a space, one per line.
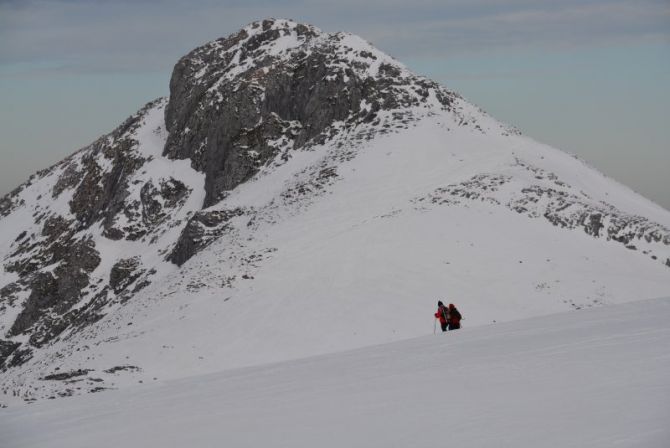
point(443, 315)
point(454, 317)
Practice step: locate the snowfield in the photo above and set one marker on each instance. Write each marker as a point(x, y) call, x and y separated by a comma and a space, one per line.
point(590, 378)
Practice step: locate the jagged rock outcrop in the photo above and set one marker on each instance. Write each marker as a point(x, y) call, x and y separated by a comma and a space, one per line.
point(6, 350)
point(101, 192)
point(200, 231)
point(124, 273)
point(233, 99)
point(555, 203)
point(53, 294)
point(157, 201)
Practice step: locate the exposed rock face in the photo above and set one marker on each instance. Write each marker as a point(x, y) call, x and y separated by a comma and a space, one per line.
point(233, 99)
point(116, 369)
point(156, 202)
point(54, 263)
point(202, 229)
point(555, 203)
point(124, 273)
point(9, 202)
point(65, 375)
point(53, 294)
point(101, 193)
point(6, 349)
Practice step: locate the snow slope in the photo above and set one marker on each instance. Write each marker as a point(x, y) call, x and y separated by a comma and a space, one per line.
point(363, 260)
point(594, 378)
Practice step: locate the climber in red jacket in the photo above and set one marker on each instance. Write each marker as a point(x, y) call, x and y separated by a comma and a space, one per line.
point(443, 315)
point(454, 317)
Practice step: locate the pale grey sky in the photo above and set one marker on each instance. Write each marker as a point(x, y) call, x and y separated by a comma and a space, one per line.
point(590, 77)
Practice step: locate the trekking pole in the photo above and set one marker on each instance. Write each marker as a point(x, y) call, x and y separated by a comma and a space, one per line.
point(434, 325)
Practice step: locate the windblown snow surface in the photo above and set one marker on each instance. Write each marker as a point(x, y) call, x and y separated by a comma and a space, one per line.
point(594, 378)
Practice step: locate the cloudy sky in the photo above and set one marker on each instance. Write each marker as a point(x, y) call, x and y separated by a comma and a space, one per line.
point(591, 77)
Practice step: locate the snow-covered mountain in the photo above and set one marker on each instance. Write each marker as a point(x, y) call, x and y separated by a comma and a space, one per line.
point(299, 193)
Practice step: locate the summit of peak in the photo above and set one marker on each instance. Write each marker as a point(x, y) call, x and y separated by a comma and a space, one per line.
point(279, 74)
point(264, 43)
point(272, 23)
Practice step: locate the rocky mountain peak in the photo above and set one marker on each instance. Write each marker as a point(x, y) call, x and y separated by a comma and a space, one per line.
point(276, 85)
point(93, 230)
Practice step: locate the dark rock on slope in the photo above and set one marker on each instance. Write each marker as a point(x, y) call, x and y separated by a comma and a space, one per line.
point(200, 231)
